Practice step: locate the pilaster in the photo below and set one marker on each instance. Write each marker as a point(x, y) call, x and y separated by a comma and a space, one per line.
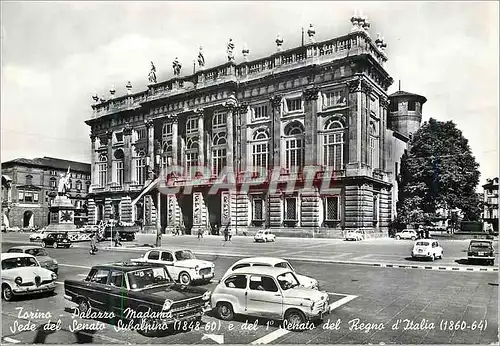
point(311, 108)
point(127, 151)
point(108, 209)
point(201, 133)
point(358, 212)
point(92, 160)
point(109, 136)
point(91, 211)
point(310, 208)
point(151, 153)
point(175, 135)
point(126, 209)
point(275, 210)
point(276, 131)
point(232, 113)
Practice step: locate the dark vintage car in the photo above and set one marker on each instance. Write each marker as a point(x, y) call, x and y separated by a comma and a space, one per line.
point(143, 294)
point(56, 239)
point(41, 255)
point(481, 250)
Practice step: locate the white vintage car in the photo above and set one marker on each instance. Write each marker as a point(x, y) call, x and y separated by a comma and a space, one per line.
point(268, 292)
point(304, 281)
point(427, 248)
point(264, 235)
point(182, 264)
point(23, 275)
point(38, 236)
point(354, 235)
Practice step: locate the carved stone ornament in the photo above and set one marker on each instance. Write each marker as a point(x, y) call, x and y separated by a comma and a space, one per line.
point(242, 108)
point(229, 105)
point(109, 134)
point(366, 88)
point(92, 138)
point(172, 118)
point(311, 94)
point(199, 111)
point(148, 123)
point(384, 103)
point(127, 130)
point(354, 85)
point(275, 101)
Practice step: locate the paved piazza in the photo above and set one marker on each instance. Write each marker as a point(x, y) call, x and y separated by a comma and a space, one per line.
point(369, 304)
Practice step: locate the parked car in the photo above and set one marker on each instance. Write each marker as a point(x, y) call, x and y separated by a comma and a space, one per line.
point(406, 234)
point(269, 292)
point(23, 275)
point(56, 239)
point(13, 229)
point(41, 255)
point(481, 250)
point(182, 264)
point(38, 236)
point(129, 289)
point(304, 281)
point(354, 235)
point(427, 248)
point(264, 235)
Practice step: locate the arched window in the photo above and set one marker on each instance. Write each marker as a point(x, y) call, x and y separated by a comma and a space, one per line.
point(373, 146)
point(294, 145)
point(333, 144)
point(167, 129)
point(140, 168)
point(260, 148)
point(219, 139)
point(102, 169)
point(192, 147)
point(118, 166)
point(219, 152)
point(219, 119)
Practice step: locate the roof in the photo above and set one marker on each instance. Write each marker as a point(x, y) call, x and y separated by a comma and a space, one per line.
point(261, 271)
point(270, 260)
point(51, 162)
point(128, 266)
point(172, 249)
point(14, 255)
point(25, 247)
point(401, 93)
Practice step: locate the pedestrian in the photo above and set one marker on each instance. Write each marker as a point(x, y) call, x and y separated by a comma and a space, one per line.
point(230, 234)
point(117, 239)
point(200, 233)
point(226, 233)
point(93, 246)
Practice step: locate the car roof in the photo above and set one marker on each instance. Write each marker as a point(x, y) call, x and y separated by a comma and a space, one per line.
point(261, 270)
point(26, 247)
point(128, 266)
point(171, 249)
point(14, 255)
point(481, 241)
point(270, 260)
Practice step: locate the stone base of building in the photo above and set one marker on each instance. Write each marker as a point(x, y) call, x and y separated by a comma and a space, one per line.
point(54, 227)
point(303, 232)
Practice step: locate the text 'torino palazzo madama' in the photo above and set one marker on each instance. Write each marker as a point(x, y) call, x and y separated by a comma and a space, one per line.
point(304, 140)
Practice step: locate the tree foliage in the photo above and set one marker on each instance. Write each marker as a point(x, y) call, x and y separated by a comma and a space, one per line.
point(438, 171)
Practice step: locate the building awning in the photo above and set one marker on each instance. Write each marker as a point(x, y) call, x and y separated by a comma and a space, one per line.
point(146, 189)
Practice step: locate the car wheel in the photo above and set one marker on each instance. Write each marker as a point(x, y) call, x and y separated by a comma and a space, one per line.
point(184, 278)
point(7, 293)
point(84, 306)
point(274, 239)
point(294, 319)
point(398, 237)
point(433, 257)
point(441, 257)
point(225, 311)
point(44, 245)
point(54, 245)
point(413, 238)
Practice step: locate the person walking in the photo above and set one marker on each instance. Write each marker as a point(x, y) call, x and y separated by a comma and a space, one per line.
point(200, 233)
point(117, 239)
point(93, 244)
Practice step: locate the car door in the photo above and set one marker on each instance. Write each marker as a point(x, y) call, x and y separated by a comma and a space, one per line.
point(235, 286)
point(97, 288)
point(117, 292)
point(264, 299)
point(167, 259)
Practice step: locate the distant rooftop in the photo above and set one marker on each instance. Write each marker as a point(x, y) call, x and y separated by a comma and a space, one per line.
point(50, 162)
point(401, 93)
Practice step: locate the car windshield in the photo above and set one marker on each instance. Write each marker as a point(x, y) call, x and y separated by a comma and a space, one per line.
point(287, 281)
point(482, 246)
point(147, 277)
point(18, 262)
point(37, 252)
point(184, 255)
point(422, 243)
point(285, 265)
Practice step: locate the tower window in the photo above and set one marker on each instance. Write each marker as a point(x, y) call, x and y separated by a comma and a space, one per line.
point(411, 105)
point(394, 106)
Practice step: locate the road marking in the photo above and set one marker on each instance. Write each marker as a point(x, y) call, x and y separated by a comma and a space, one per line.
point(14, 341)
point(361, 257)
point(278, 333)
point(84, 275)
point(341, 255)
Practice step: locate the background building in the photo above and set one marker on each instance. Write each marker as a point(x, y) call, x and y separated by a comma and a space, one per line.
point(31, 184)
point(490, 198)
point(322, 104)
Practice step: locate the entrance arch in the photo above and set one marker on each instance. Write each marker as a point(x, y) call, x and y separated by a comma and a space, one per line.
point(28, 219)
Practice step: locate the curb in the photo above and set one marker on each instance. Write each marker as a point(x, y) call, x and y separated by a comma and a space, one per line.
point(315, 260)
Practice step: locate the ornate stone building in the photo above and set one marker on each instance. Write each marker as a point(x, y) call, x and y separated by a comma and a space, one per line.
point(309, 125)
point(490, 199)
point(30, 185)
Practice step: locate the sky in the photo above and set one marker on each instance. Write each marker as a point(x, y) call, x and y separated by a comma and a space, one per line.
point(56, 55)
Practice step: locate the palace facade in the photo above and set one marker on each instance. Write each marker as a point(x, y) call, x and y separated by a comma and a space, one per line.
point(310, 127)
point(30, 185)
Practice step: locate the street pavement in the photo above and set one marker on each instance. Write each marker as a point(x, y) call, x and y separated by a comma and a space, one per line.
point(378, 297)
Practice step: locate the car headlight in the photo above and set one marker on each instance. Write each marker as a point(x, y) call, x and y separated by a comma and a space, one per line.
point(167, 305)
point(206, 295)
point(55, 261)
point(54, 276)
point(18, 280)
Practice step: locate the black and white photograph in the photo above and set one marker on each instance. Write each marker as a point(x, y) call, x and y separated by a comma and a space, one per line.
point(249, 172)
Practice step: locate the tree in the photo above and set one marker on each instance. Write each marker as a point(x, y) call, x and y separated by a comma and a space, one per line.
point(438, 171)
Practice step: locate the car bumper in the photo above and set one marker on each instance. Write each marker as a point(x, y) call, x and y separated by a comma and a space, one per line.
point(489, 258)
point(320, 314)
point(52, 267)
point(199, 276)
point(20, 290)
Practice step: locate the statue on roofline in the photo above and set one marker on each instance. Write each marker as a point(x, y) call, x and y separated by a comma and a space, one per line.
point(152, 74)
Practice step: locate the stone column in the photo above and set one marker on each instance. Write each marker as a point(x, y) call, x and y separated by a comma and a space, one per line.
point(353, 137)
point(276, 133)
point(151, 148)
point(175, 134)
point(231, 140)
point(127, 158)
point(158, 219)
point(240, 137)
point(201, 133)
point(108, 209)
point(109, 136)
point(126, 209)
point(384, 104)
point(92, 160)
point(92, 212)
point(366, 91)
point(311, 139)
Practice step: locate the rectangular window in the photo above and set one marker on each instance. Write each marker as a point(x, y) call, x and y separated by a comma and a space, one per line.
point(258, 209)
point(294, 153)
point(140, 174)
point(373, 153)
point(260, 112)
point(374, 106)
point(219, 120)
point(393, 106)
point(141, 134)
point(332, 208)
point(35, 197)
point(192, 125)
point(20, 196)
point(28, 197)
point(334, 98)
point(294, 104)
point(375, 208)
point(259, 155)
point(119, 172)
point(291, 208)
point(119, 137)
point(191, 160)
point(102, 174)
point(53, 183)
point(218, 160)
point(411, 105)
point(333, 145)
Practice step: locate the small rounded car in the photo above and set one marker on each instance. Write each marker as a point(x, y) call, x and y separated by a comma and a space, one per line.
point(304, 281)
point(269, 292)
point(181, 264)
point(427, 248)
point(264, 235)
point(406, 234)
point(354, 235)
point(41, 255)
point(38, 236)
point(56, 239)
point(23, 275)
point(481, 250)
